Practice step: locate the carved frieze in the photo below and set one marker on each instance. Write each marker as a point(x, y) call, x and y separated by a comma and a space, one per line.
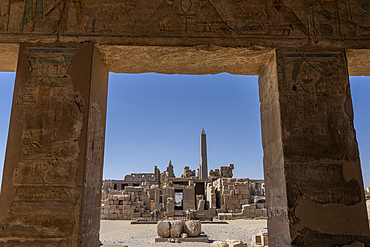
point(309, 19)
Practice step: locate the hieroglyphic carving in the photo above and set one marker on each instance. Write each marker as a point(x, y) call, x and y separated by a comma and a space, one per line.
point(316, 86)
point(50, 152)
point(161, 17)
point(311, 19)
point(49, 115)
point(321, 183)
point(43, 193)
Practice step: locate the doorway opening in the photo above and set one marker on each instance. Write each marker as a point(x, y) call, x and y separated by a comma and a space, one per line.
point(178, 200)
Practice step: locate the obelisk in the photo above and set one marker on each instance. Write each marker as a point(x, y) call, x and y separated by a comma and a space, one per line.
point(203, 156)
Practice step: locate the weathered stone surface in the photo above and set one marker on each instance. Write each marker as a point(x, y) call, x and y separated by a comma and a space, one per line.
point(293, 24)
point(177, 227)
point(219, 244)
point(311, 157)
point(355, 244)
point(53, 166)
point(234, 243)
point(201, 204)
point(192, 228)
point(184, 235)
point(164, 229)
point(8, 56)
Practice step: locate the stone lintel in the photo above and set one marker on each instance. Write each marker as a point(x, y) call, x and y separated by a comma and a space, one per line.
point(195, 60)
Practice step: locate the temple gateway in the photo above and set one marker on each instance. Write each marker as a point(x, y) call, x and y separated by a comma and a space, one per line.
point(303, 51)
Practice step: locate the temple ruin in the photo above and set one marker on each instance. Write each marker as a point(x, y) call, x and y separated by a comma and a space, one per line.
point(204, 197)
point(303, 52)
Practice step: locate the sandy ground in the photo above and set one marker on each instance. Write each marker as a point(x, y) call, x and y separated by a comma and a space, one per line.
point(121, 232)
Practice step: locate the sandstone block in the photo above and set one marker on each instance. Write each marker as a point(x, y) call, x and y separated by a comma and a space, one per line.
point(192, 228)
point(259, 212)
point(234, 243)
point(355, 244)
point(184, 235)
point(219, 244)
point(163, 229)
point(177, 227)
point(201, 204)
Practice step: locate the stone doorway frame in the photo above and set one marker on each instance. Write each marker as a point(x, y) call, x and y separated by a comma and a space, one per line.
point(284, 231)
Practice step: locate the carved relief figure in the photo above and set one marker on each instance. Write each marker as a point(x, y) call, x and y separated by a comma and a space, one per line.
point(212, 19)
point(116, 14)
point(317, 85)
point(33, 12)
point(323, 18)
point(160, 17)
point(290, 17)
point(255, 16)
point(49, 92)
point(360, 14)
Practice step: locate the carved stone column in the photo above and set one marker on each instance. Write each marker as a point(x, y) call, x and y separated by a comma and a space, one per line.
point(53, 167)
point(315, 194)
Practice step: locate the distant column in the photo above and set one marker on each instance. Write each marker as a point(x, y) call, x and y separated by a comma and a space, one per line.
point(157, 194)
point(203, 163)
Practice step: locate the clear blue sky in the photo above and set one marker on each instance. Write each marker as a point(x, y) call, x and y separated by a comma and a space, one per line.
point(156, 118)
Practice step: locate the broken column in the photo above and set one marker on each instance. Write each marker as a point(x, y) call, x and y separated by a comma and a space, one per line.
point(312, 170)
point(52, 182)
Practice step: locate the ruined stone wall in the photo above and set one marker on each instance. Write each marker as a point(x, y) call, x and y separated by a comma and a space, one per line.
point(126, 207)
point(234, 192)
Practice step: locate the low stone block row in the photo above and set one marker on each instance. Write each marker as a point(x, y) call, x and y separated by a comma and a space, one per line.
point(122, 207)
point(251, 211)
point(178, 228)
point(228, 243)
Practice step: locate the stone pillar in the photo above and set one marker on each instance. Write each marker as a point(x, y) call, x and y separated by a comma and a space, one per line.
point(258, 189)
point(51, 187)
point(188, 198)
point(170, 206)
point(313, 178)
point(157, 194)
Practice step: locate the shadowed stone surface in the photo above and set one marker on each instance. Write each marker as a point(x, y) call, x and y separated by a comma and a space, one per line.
point(53, 167)
point(312, 168)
